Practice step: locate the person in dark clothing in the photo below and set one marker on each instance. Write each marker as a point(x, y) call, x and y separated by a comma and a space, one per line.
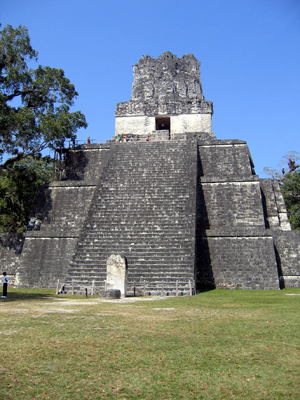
point(5, 282)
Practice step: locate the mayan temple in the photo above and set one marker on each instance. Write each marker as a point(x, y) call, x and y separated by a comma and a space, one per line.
point(182, 210)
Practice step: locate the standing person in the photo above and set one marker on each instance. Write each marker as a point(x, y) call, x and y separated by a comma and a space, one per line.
point(5, 282)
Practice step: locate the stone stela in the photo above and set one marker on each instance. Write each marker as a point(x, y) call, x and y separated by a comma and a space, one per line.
point(116, 273)
point(162, 207)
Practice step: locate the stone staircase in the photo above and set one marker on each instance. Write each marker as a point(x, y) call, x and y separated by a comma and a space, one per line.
point(144, 209)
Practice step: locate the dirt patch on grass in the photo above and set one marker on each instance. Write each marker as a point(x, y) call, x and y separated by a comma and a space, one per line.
point(56, 310)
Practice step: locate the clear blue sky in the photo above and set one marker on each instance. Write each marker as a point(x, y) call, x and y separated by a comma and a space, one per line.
point(249, 52)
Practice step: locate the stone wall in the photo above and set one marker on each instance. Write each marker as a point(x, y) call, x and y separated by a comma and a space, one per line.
point(137, 125)
point(44, 260)
point(86, 162)
point(234, 250)
point(11, 245)
point(58, 216)
point(237, 262)
point(144, 125)
point(225, 160)
point(230, 204)
point(185, 123)
point(287, 246)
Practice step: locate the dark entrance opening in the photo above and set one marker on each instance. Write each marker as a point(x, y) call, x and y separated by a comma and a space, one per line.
point(162, 123)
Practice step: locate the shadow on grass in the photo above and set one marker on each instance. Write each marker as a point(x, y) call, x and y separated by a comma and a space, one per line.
point(28, 295)
point(205, 290)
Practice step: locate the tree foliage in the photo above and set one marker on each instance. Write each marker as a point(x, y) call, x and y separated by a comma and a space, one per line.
point(291, 192)
point(18, 184)
point(34, 103)
point(34, 115)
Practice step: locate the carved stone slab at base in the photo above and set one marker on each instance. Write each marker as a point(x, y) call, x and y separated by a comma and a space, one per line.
point(116, 273)
point(110, 294)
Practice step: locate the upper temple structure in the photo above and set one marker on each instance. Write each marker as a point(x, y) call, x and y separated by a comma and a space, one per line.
point(166, 95)
point(164, 207)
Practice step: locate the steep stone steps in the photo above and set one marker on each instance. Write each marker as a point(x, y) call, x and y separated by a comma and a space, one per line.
point(154, 191)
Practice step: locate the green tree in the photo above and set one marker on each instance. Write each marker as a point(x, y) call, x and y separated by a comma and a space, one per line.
point(34, 115)
point(291, 192)
point(18, 184)
point(34, 103)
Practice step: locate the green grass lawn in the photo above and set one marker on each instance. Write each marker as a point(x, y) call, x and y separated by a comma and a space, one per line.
point(216, 345)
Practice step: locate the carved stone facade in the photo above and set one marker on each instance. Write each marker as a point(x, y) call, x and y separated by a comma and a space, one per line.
point(183, 210)
point(166, 94)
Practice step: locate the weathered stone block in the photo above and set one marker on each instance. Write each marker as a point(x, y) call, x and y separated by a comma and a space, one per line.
point(110, 294)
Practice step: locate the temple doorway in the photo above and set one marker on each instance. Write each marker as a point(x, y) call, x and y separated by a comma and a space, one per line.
point(162, 123)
